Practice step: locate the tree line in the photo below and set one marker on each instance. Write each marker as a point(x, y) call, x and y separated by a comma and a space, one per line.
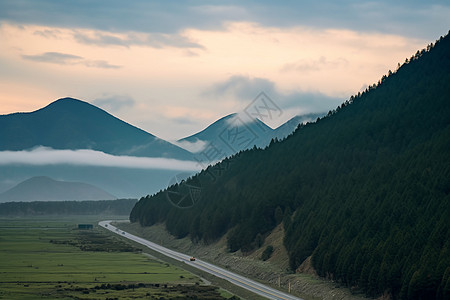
point(42, 208)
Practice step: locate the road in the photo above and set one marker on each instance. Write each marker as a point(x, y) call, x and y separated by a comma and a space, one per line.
point(236, 279)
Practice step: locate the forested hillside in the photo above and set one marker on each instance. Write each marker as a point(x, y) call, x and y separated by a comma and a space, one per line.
point(364, 190)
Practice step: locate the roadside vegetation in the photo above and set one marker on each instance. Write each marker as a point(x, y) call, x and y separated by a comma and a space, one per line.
point(274, 271)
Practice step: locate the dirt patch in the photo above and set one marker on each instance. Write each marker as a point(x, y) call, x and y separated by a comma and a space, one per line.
point(274, 271)
point(306, 267)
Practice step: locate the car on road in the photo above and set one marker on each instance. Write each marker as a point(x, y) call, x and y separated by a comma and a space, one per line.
point(192, 258)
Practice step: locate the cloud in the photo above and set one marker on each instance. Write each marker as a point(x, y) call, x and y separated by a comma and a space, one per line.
point(54, 58)
point(46, 156)
point(48, 33)
point(69, 59)
point(118, 16)
point(246, 90)
point(102, 64)
point(322, 63)
point(310, 102)
point(219, 11)
point(193, 147)
point(155, 40)
point(159, 40)
point(100, 39)
point(184, 120)
point(405, 17)
point(114, 102)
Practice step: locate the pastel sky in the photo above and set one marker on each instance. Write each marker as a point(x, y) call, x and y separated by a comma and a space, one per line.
point(173, 67)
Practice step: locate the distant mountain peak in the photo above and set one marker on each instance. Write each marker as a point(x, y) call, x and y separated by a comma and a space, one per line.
point(229, 134)
point(43, 188)
point(238, 131)
point(68, 102)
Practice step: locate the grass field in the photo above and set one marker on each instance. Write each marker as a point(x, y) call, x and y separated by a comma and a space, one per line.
point(52, 259)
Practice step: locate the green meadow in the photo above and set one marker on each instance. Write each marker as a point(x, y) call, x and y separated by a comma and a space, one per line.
point(53, 259)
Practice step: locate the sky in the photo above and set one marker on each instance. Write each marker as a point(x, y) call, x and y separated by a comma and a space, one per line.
point(174, 67)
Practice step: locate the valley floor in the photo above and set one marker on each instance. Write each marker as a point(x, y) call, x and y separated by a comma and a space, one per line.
point(50, 258)
point(275, 271)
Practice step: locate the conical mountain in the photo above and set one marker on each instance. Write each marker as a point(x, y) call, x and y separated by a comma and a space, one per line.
point(74, 124)
point(227, 136)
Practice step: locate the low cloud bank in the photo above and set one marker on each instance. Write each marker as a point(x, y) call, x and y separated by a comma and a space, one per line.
point(194, 147)
point(47, 156)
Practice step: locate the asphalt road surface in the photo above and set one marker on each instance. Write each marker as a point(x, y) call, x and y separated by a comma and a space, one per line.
point(236, 279)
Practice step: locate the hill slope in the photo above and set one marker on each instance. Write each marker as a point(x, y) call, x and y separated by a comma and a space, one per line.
point(289, 127)
point(46, 189)
point(365, 191)
point(73, 124)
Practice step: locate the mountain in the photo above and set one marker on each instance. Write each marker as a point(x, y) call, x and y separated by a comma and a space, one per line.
point(229, 135)
point(46, 189)
point(74, 124)
point(120, 182)
point(363, 193)
point(235, 132)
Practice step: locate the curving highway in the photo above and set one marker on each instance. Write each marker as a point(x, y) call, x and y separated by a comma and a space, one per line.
point(236, 279)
